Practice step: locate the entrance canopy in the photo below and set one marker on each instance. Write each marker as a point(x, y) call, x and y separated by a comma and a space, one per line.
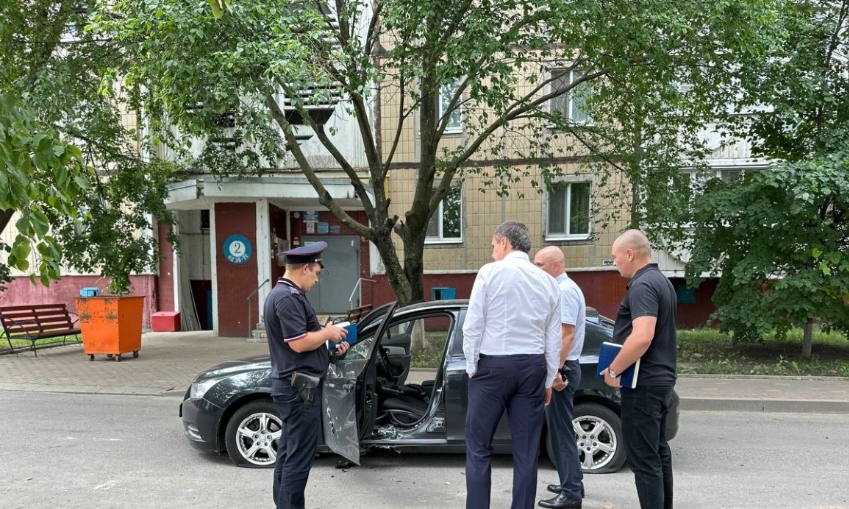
point(289, 192)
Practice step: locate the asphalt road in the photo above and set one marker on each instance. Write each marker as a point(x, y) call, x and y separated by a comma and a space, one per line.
point(97, 451)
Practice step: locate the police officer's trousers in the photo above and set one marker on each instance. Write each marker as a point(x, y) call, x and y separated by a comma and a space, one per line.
point(296, 448)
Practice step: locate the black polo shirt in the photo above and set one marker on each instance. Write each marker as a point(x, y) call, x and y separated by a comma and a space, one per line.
point(288, 317)
point(650, 293)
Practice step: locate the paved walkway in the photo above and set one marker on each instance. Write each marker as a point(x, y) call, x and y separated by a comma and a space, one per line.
point(168, 362)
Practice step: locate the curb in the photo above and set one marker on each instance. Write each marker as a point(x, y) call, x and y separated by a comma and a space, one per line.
point(763, 406)
point(90, 389)
point(765, 377)
point(688, 404)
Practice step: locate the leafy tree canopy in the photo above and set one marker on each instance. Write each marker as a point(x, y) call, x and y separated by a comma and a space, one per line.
point(780, 237)
point(39, 176)
point(503, 59)
point(62, 74)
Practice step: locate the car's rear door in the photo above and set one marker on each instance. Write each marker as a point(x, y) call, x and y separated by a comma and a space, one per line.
point(349, 402)
point(456, 394)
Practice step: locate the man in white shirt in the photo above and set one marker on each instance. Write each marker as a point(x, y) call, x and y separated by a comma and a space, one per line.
point(511, 340)
point(573, 314)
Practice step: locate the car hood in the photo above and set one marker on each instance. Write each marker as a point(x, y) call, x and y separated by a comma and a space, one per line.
point(257, 362)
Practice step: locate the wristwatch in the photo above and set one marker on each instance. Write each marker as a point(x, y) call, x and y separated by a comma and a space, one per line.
point(612, 373)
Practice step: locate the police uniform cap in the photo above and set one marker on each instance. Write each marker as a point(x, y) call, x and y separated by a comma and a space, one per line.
point(311, 253)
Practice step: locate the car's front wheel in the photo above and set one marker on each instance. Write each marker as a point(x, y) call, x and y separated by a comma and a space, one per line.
point(598, 431)
point(252, 435)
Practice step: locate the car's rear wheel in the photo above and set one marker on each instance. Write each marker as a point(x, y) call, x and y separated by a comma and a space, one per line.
point(252, 435)
point(599, 434)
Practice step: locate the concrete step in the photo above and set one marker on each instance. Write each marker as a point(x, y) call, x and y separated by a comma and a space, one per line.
point(258, 336)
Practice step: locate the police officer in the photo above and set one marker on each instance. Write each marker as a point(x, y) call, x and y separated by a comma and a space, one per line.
point(298, 345)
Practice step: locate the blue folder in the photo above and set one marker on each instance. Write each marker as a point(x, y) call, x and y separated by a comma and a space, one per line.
point(606, 354)
point(351, 338)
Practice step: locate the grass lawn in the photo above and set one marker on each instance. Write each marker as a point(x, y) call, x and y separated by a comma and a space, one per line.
point(430, 356)
point(25, 344)
point(707, 351)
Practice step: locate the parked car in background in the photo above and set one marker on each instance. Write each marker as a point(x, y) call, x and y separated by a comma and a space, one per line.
point(369, 403)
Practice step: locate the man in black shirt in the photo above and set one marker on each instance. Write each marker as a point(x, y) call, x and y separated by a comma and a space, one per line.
point(297, 344)
point(645, 326)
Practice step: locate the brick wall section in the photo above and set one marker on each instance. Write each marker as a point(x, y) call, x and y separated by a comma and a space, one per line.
point(697, 314)
point(235, 281)
point(21, 292)
point(603, 290)
point(165, 280)
point(381, 291)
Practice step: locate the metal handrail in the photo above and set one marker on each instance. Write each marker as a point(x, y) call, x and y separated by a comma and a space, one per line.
point(351, 298)
point(250, 307)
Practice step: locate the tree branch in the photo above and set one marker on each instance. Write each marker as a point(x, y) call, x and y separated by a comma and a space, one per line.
point(323, 195)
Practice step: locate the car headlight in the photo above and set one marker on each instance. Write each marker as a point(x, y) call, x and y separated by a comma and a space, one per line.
point(200, 388)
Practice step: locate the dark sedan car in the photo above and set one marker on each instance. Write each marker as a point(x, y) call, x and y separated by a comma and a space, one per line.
point(368, 402)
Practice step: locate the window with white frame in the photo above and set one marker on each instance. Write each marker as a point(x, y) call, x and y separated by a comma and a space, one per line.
point(569, 210)
point(573, 104)
point(446, 225)
point(455, 116)
point(689, 183)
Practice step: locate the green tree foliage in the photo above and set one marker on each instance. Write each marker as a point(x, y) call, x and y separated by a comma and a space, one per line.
point(40, 177)
point(780, 237)
point(504, 60)
point(63, 75)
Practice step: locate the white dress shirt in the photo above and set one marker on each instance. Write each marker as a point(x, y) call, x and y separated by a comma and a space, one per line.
point(514, 309)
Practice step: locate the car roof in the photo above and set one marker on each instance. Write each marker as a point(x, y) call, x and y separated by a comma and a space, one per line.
point(431, 304)
point(592, 313)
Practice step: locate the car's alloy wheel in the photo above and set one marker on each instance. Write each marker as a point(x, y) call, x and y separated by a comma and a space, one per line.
point(598, 431)
point(252, 435)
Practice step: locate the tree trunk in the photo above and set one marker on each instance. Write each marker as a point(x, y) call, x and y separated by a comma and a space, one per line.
point(807, 340)
point(5, 217)
point(418, 338)
point(414, 267)
point(394, 271)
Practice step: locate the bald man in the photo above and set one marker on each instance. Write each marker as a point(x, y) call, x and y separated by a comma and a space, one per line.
point(573, 311)
point(645, 326)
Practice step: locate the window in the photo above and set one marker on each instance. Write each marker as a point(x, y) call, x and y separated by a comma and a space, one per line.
point(730, 176)
point(573, 104)
point(682, 195)
point(455, 117)
point(446, 225)
point(568, 210)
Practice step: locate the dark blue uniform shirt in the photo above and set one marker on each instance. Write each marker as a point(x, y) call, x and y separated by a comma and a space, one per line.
point(288, 317)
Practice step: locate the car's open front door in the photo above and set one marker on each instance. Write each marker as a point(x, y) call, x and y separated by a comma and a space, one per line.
point(351, 379)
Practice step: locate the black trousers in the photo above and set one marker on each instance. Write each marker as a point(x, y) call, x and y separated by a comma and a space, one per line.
point(644, 411)
point(515, 383)
point(296, 447)
point(559, 414)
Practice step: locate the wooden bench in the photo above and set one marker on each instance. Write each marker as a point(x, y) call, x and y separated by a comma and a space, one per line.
point(39, 321)
point(354, 314)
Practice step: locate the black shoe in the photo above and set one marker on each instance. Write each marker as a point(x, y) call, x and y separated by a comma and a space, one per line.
point(555, 488)
point(561, 502)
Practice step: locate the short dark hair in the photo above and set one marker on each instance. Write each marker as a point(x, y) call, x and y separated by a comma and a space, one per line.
point(294, 267)
point(516, 233)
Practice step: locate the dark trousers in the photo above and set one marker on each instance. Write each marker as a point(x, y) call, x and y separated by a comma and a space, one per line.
point(559, 414)
point(515, 383)
point(296, 448)
point(644, 411)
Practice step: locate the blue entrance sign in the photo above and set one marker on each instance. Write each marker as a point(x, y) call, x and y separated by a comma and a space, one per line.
point(237, 249)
